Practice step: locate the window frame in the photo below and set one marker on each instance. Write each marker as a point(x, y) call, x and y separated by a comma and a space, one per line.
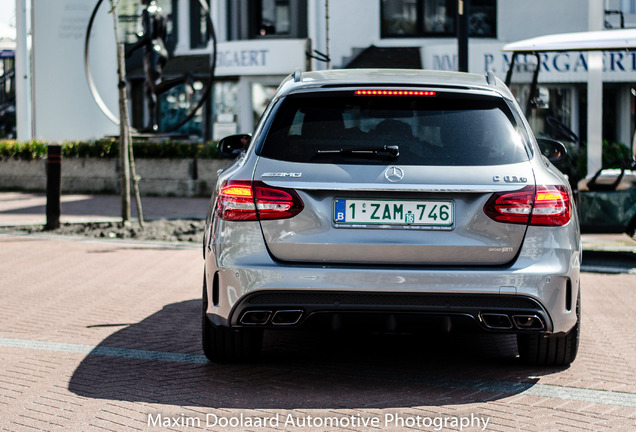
point(419, 24)
point(198, 39)
point(244, 19)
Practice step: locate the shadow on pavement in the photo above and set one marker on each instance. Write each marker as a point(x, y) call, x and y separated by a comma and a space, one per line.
point(302, 370)
point(609, 261)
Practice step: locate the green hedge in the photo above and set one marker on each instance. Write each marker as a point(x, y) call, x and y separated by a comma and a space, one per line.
point(614, 156)
point(109, 148)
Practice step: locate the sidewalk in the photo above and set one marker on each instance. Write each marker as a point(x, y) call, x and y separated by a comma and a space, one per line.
point(18, 208)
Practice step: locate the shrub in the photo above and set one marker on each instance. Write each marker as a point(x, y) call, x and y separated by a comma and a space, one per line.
point(26, 150)
point(614, 156)
point(109, 148)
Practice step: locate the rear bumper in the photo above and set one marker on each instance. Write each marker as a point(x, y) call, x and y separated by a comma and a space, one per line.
point(392, 312)
point(289, 296)
point(541, 288)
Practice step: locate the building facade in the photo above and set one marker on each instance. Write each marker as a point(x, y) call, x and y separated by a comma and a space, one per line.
point(259, 42)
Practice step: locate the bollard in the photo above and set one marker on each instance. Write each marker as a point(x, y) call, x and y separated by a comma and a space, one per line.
point(53, 186)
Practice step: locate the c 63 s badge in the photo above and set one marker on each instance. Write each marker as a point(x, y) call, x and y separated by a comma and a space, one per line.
point(510, 179)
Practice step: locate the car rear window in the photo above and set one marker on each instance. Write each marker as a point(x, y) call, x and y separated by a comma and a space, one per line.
point(443, 129)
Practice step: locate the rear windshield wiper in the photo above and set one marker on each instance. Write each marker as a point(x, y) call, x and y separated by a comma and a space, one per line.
point(387, 151)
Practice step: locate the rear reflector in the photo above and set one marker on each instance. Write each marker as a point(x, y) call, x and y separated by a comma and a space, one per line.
point(249, 201)
point(394, 93)
point(541, 206)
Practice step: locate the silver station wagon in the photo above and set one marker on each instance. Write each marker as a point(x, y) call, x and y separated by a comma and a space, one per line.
point(392, 201)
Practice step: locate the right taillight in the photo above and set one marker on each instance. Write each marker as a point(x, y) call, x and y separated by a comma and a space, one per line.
point(541, 205)
point(249, 201)
point(552, 206)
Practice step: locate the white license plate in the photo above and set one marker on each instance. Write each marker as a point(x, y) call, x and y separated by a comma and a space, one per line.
point(393, 212)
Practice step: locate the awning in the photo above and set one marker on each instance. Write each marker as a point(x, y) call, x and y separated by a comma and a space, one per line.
point(605, 40)
point(387, 57)
point(197, 65)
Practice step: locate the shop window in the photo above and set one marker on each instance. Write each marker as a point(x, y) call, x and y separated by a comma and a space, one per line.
point(130, 24)
point(225, 112)
point(251, 19)
point(275, 18)
point(416, 18)
point(628, 6)
point(176, 104)
point(199, 34)
point(262, 95)
point(551, 114)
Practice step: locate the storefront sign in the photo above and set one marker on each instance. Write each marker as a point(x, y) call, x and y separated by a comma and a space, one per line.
point(222, 130)
point(557, 67)
point(64, 108)
point(260, 57)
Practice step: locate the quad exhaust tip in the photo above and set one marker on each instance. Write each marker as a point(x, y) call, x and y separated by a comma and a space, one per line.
point(277, 318)
point(256, 317)
point(496, 321)
point(501, 321)
point(528, 322)
point(287, 317)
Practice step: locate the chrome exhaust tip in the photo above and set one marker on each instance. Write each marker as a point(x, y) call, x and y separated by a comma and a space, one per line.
point(496, 321)
point(528, 322)
point(287, 317)
point(255, 317)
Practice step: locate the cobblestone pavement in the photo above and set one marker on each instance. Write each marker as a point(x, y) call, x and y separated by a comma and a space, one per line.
point(100, 336)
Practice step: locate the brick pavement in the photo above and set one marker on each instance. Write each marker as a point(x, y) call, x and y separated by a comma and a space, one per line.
point(101, 336)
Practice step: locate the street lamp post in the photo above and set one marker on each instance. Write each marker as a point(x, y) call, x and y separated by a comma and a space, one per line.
point(463, 7)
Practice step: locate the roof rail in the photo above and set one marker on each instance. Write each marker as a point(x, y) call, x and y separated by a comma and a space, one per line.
point(298, 75)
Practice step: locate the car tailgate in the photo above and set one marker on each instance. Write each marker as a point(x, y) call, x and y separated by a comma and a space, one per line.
point(406, 215)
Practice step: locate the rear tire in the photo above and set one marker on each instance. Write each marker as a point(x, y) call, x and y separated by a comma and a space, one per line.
point(227, 345)
point(551, 350)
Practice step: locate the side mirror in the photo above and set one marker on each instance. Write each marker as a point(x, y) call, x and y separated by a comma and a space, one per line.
point(232, 146)
point(553, 150)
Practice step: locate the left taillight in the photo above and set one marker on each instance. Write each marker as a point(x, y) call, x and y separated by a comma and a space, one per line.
point(249, 201)
point(540, 206)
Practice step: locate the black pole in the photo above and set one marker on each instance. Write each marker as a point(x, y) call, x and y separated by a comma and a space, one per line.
point(53, 186)
point(533, 87)
point(462, 34)
point(511, 69)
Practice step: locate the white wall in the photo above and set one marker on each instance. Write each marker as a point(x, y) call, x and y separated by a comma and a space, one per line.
point(522, 19)
point(353, 24)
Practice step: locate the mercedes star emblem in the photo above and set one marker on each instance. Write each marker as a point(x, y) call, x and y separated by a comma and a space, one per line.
point(394, 174)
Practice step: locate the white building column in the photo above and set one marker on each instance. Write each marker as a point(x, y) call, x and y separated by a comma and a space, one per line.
point(219, 10)
point(183, 28)
point(316, 30)
point(574, 112)
point(246, 117)
point(595, 93)
point(624, 115)
point(24, 117)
